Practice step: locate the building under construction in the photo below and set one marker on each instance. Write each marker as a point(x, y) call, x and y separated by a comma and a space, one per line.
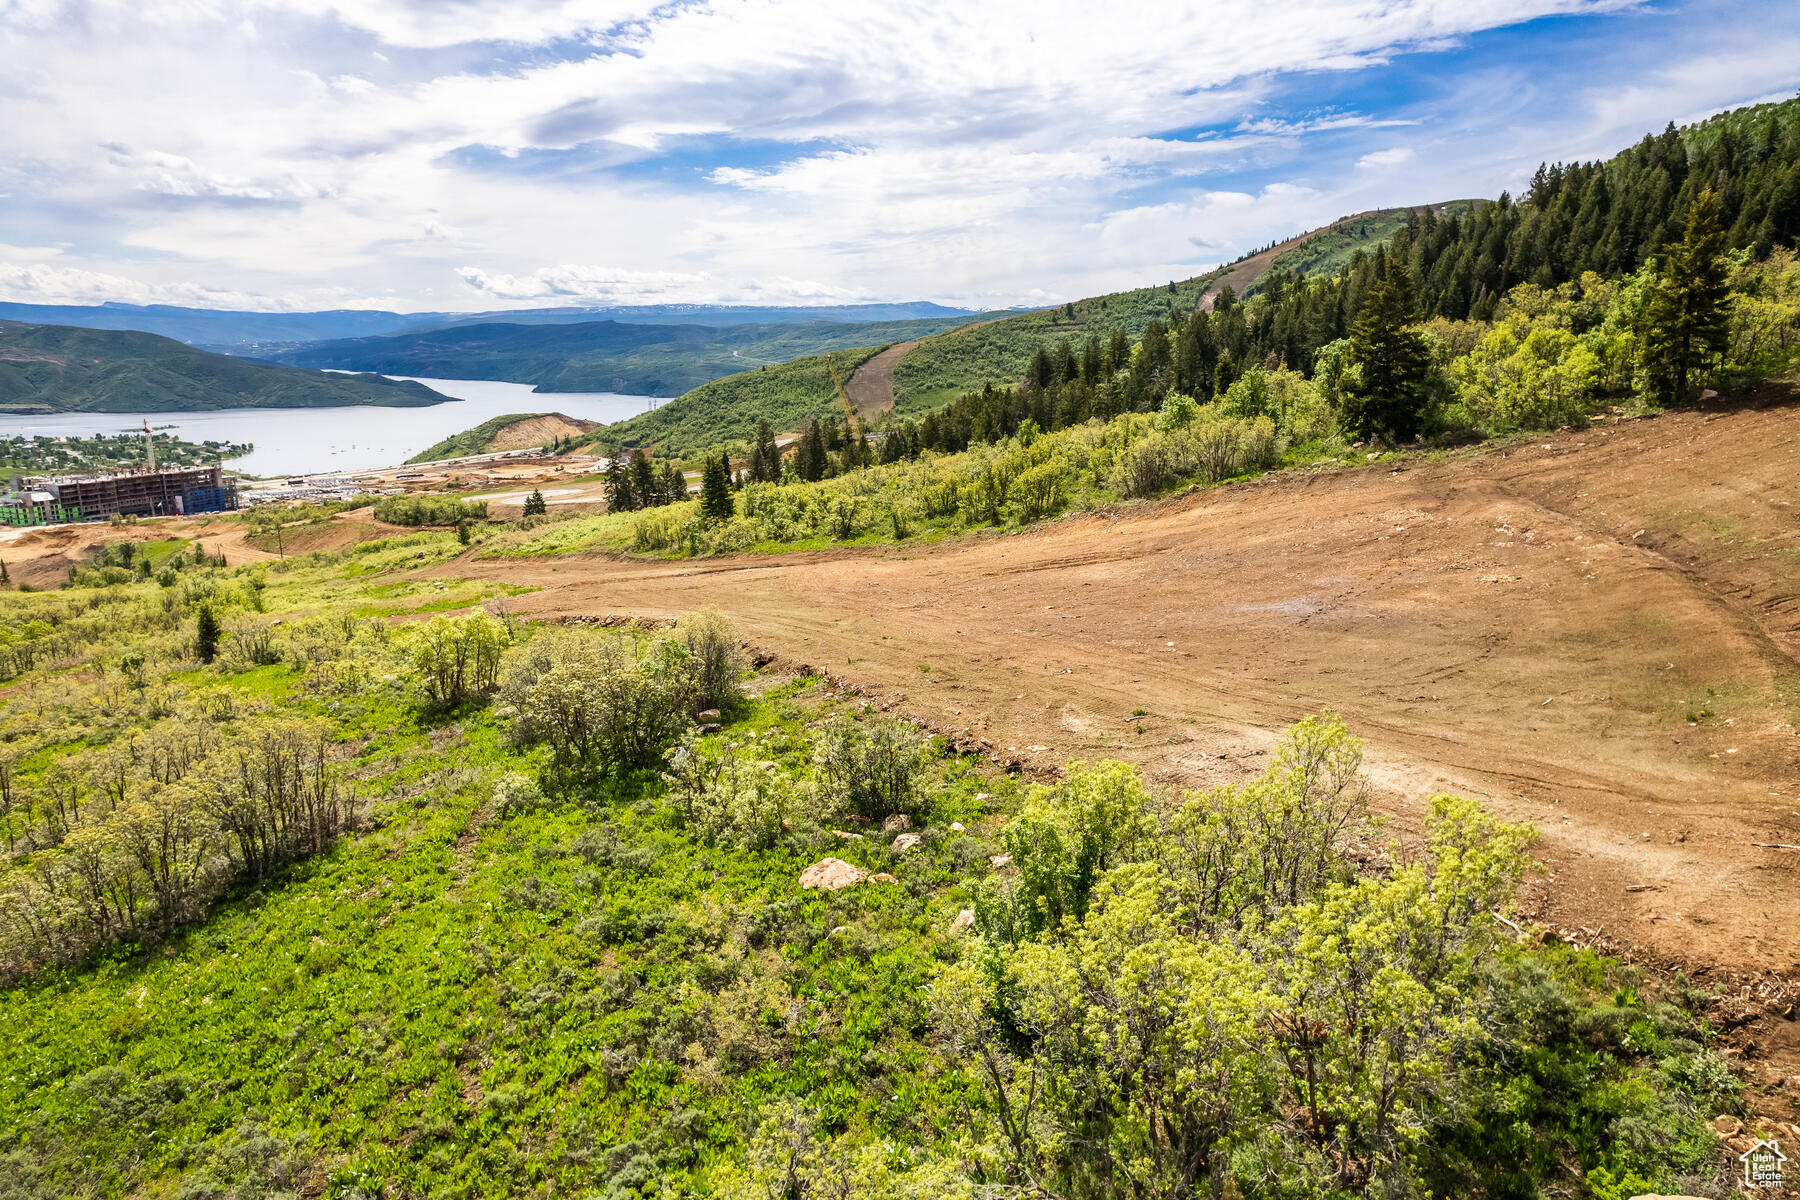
point(146, 491)
point(156, 492)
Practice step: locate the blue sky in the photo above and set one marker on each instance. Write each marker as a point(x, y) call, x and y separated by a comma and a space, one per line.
point(473, 154)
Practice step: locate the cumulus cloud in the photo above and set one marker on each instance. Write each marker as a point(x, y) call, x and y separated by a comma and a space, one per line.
point(706, 149)
point(1393, 156)
point(618, 285)
point(44, 283)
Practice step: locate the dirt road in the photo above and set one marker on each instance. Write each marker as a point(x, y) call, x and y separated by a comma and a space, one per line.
point(1595, 631)
point(871, 386)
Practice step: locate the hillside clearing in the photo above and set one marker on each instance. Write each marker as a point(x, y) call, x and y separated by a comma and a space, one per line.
point(1533, 624)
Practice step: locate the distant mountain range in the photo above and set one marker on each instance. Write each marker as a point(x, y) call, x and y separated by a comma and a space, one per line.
point(57, 368)
point(605, 356)
point(238, 332)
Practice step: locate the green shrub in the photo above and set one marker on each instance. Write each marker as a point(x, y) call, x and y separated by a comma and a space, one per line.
point(872, 767)
point(428, 510)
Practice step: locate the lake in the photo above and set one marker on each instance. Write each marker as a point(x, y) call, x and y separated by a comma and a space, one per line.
point(293, 441)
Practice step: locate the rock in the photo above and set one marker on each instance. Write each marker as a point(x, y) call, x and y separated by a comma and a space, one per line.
point(964, 919)
point(883, 877)
point(837, 930)
point(1726, 1126)
point(956, 827)
point(1655, 1196)
point(898, 823)
point(980, 796)
point(846, 835)
point(1000, 860)
point(709, 714)
point(906, 842)
point(710, 727)
point(831, 874)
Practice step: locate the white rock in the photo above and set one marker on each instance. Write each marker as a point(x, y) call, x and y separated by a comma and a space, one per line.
point(831, 874)
point(906, 842)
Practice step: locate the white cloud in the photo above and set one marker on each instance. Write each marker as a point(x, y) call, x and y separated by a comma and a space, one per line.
point(618, 285)
point(445, 152)
point(1391, 157)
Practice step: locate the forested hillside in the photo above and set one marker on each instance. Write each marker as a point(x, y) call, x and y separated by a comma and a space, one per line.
point(728, 409)
point(605, 356)
point(58, 368)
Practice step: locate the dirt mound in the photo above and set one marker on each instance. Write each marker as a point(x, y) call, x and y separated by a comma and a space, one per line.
point(538, 431)
point(1594, 631)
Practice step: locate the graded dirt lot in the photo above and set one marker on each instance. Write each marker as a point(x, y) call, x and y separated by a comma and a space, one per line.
point(1595, 631)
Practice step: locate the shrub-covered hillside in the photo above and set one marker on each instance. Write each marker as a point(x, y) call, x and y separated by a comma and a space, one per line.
point(784, 395)
point(332, 878)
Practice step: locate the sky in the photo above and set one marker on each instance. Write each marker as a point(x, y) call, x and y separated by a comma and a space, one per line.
point(490, 154)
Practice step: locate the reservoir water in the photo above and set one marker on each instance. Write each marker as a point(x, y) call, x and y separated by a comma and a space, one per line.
point(292, 441)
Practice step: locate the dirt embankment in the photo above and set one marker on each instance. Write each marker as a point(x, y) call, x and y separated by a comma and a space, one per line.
point(539, 431)
point(1595, 631)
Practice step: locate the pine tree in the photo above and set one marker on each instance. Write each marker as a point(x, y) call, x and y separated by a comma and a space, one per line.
point(715, 491)
point(809, 455)
point(619, 494)
point(1686, 322)
point(643, 479)
point(206, 634)
point(5, 577)
point(534, 504)
point(672, 485)
point(765, 456)
point(1394, 358)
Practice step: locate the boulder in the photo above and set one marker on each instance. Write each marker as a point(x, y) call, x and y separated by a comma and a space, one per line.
point(831, 874)
point(905, 842)
point(964, 919)
point(897, 823)
point(709, 714)
point(1726, 1126)
point(1000, 860)
point(882, 877)
point(956, 827)
point(846, 835)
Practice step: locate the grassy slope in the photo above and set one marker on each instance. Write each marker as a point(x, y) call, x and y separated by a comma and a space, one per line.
point(727, 409)
point(943, 367)
point(583, 999)
point(471, 441)
point(459, 1002)
point(605, 356)
point(1326, 250)
point(59, 368)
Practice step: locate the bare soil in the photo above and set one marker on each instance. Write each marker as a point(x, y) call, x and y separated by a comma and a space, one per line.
point(1595, 631)
point(538, 431)
point(871, 386)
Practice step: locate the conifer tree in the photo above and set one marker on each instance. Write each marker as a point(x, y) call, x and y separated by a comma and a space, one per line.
point(1395, 361)
point(715, 490)
point(206, 634)
point(809, 455)
point(643, 479)
point(534, 504)
point(674, 483)
point(1687, 325)
point(765, 456)
point(619, 494)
